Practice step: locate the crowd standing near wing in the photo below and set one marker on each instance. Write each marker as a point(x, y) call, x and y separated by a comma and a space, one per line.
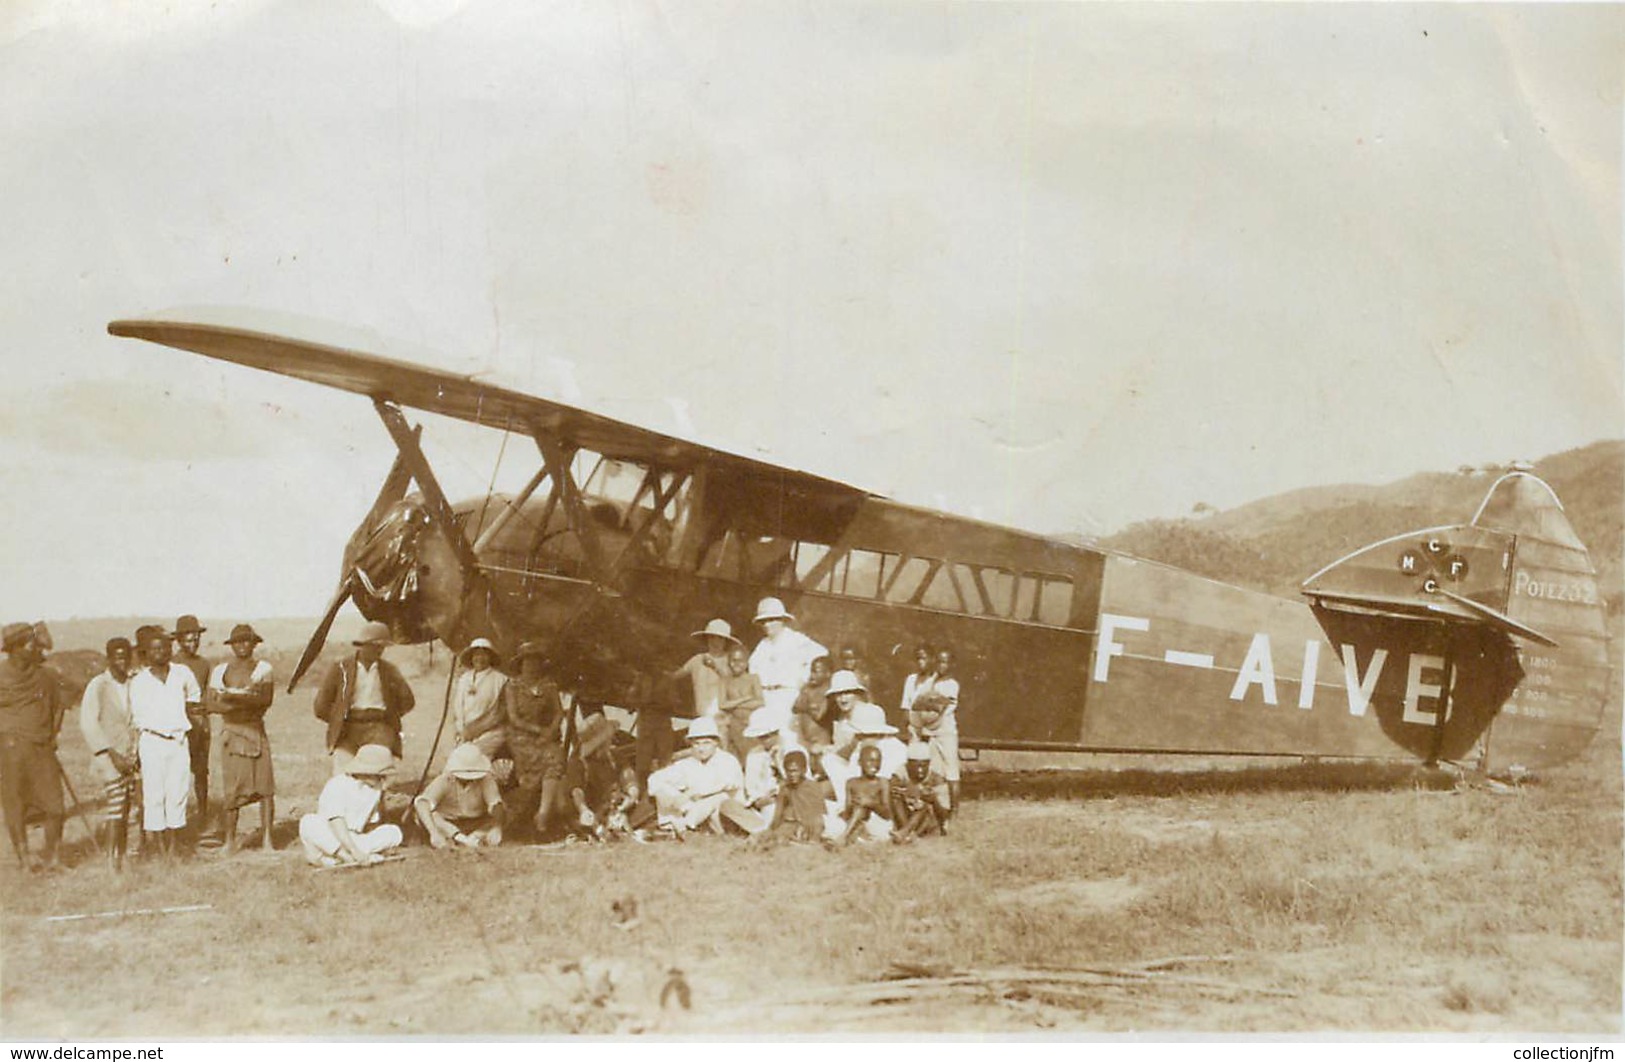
point(765, 743)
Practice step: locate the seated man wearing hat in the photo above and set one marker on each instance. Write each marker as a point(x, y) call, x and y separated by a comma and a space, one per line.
point(702, 789)
point(239, 691)
point(31, 710)
point(762, 764)
point(463, 806)
point(362, 699)
point(343, 827)
point(477, 714)
point(782, 660)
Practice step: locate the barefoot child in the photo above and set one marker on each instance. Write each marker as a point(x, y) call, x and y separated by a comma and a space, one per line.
point(868, 801)
point(920, 798)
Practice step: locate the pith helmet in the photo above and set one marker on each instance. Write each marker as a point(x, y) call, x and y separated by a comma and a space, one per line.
point(869, 720)
point(717, 628)
point(771, 608)
point(761, 724)
point(479, 643)
point(468, 762)
point(704, 727)
point(845, 682)
point(372, 760)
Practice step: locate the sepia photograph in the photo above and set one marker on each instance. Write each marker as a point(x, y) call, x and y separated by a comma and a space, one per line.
point(796, 520)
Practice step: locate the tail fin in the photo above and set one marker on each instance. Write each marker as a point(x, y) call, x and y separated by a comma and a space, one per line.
point(1517, 592)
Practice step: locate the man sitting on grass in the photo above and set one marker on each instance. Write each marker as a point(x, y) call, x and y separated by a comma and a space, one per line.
point(920, 799)
point(704, 788)
point(343, 828)
point(462, 806)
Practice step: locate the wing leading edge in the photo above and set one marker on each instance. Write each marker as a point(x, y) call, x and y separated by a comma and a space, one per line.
point(467, 398)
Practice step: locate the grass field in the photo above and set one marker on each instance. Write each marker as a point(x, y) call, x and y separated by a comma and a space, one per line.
point(1301, 898)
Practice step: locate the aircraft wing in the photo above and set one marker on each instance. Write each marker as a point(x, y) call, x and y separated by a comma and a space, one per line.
point(1446, 606)
point(468, 398)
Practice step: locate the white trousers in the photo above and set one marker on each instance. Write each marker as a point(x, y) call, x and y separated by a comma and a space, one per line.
point(320, 841)
point(166, 781)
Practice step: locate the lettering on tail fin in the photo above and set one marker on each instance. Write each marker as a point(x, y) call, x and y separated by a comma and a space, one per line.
point(1257, 668)
point(1416, 689)
point(1360, 689)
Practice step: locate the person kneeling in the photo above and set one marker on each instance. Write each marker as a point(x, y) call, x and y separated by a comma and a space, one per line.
point(463, 806)
point(344, 827)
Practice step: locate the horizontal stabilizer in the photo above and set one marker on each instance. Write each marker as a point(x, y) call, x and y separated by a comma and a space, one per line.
point(1452, 607)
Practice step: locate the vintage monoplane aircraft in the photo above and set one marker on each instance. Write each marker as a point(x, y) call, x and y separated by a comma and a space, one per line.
point(1480, 643)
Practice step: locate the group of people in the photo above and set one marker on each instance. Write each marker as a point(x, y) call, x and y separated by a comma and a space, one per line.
point(145, 719)
point(776, 743)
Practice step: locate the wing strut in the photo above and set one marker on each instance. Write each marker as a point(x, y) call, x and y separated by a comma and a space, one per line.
point(434, 498)
point(557, 459)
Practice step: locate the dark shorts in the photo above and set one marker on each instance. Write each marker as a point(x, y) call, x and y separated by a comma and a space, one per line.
point(30, 779)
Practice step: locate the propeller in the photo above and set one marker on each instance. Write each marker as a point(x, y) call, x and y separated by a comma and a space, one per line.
point(393, 490)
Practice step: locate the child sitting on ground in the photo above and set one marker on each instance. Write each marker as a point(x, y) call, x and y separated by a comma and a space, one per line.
point(868, 801)
point(463, 806)
point(798, 816)
point(920, 799)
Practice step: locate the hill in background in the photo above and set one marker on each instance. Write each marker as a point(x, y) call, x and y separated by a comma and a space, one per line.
point(1275, 543)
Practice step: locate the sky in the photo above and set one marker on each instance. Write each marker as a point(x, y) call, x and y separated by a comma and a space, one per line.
point(1061, 266)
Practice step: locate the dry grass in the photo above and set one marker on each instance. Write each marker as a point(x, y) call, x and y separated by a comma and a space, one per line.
point(1380, 901)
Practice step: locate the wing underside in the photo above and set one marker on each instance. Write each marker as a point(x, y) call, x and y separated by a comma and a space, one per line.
point(470, 399)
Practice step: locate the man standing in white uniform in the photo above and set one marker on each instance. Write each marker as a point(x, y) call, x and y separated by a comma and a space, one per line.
point(783, 661)
point(160, 694)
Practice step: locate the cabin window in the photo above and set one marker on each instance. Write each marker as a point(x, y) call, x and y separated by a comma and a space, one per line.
point(863, 571)
point(901, 586)
point(1001, 590)
point(812, 566)
point(768, 560)
point(1026, 597)
point(1055, 602)
point(942, 591)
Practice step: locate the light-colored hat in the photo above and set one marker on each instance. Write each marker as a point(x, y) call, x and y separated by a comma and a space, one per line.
point(771, 608)
point(13, 635)
point(468, 762)
point(479, 643)
point(373, 632)
point(372, 760)
point(704, 727)
point(845, 682)
point(919, 750)
point(717, 628)
point(243, 633)
point(870, 719)
point(760, 724)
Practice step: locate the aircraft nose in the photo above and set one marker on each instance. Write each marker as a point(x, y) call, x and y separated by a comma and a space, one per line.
point(384, 559)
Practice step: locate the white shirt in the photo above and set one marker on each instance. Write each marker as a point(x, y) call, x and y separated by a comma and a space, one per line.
point(719, 774)
point(161, 706)
point(476, 695)
point(104, 715)
point(760, 779)
point(347, 797)
point(786, 661)
point(260, 675)
point(369, 688)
